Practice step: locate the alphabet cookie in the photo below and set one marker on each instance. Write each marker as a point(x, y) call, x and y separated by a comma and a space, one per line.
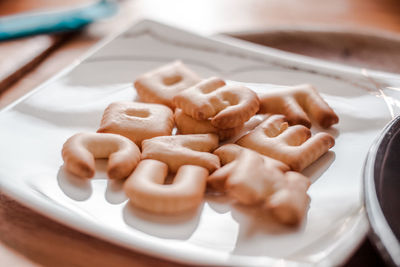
point(137, 121)
point(292, 145)
point(251, 181)
point(230, 152)
point(146, 190)
point(162, 84)
point(289, 202)
point(187, 125)
point(178, 150)
point(80, 151)
point(228, 106)
point(299, 104)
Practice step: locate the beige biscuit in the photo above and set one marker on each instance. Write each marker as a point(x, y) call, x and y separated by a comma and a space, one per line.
point(299, 104)
point(178, 150)
point(228, 106)
point(292, 145)
point(289, 202)
point(251, 181)
point(162, 84)
point(228, 154)
point(217, 180)
point(146, 189)
point(137, 121)
point(187, 125)
point(80, 151)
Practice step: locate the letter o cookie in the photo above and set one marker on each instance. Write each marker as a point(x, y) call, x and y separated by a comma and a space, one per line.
point(137, 121)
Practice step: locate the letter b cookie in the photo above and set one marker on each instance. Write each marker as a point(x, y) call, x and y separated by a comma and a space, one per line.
point(227, 106)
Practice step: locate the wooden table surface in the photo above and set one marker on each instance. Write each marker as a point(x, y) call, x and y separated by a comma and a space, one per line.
point(29, 239)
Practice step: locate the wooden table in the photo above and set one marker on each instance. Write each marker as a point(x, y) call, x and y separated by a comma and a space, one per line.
point(29, 239)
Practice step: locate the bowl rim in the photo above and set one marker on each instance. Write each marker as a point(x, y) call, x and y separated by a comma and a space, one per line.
point(380, 233)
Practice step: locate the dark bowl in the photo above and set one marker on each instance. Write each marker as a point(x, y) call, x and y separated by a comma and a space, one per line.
point(382, 192)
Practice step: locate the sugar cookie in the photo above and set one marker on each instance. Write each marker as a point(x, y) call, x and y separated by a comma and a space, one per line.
point(228, 106)
point(178, 150)
point(162, 84)
point(137, 121)
point(146, 190)
point(292, 145)
point(79, 153)
point(296, 103)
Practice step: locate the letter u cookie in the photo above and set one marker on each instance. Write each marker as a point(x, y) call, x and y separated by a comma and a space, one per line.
point(146, 189)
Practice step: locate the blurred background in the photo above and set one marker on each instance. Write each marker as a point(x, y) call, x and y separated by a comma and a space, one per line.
point(38, 38)
point(355, 32)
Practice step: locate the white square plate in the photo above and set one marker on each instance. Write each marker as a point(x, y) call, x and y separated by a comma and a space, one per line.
point(34, 129)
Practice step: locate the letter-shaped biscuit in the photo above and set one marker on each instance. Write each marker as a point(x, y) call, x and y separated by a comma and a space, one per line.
point(80, 151)
point(228, 106)
point(292, 145)
point(296, 103)
point(145, 187)
point(251, 181)
point(178, 150)
point(162, 84)
point(137, 121)
point(187, 125)
point(229, 153)
point(289, 202)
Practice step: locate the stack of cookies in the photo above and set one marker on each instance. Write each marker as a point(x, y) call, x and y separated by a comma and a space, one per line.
point(262, 166)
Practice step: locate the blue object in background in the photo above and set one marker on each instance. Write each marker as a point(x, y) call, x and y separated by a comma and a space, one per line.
point(54, 21)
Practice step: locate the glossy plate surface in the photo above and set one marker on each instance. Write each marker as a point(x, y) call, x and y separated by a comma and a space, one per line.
point(34, 129)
